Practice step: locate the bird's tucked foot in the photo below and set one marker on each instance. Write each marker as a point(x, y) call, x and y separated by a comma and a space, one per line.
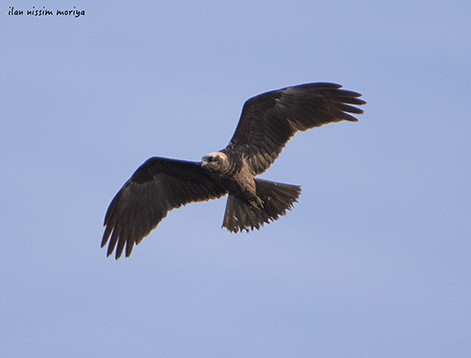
point(258, 203)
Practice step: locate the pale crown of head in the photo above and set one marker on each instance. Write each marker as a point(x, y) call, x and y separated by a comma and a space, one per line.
point(215, 162)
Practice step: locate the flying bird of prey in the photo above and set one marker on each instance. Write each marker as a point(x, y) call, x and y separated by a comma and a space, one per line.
point(267, 123)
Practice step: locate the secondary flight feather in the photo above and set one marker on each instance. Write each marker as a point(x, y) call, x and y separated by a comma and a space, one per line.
point(267, 123)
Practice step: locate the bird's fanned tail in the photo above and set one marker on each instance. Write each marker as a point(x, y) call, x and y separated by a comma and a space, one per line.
point(275, 199)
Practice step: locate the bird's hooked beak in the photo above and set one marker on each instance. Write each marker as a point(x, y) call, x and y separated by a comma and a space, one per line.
point(209, 158)
point(205, 161)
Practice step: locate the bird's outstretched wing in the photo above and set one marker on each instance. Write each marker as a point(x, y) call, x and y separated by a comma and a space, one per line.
point(269, 120)
point(158, 186)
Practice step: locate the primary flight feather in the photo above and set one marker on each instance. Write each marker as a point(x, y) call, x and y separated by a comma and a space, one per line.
point(267, 123)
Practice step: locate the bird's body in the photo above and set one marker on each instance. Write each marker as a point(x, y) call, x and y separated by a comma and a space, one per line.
point(267, 123)
point(234, 174)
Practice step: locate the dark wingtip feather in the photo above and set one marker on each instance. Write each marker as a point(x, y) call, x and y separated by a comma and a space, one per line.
point(347, 117)
point(106, 236)
point(129, 248)
point(121, 243)
point(113, 240)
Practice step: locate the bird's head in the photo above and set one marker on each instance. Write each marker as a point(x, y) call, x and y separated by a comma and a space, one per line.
point(215, 163)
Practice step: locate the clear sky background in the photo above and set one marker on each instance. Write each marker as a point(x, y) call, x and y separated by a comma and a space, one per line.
point(374, 260)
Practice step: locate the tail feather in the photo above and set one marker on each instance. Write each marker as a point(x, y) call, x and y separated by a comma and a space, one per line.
point(276, 198)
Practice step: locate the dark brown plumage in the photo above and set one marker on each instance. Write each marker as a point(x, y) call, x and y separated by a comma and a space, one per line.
point(267, 123)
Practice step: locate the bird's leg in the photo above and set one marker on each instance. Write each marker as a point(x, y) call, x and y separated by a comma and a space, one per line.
point(258, 203)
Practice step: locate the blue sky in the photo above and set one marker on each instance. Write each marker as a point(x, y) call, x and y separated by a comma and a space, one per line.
point(372, 262)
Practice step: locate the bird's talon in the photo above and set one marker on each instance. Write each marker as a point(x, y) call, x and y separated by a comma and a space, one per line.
point(258, 204)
